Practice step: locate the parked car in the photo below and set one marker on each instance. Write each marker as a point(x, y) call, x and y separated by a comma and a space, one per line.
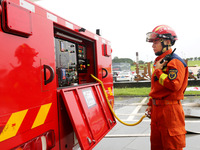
point(125, 76)
point(198, 73)
point(115, 74)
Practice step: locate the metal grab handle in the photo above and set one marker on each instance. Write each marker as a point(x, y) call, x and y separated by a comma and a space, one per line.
point(103, 69)
point(47, 81)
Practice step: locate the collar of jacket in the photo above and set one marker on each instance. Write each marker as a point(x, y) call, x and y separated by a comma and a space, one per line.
point(163, 55)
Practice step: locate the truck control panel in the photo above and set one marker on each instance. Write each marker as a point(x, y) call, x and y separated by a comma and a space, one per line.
point(71, 61)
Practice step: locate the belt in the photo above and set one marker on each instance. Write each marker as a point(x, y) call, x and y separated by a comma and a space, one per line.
point(165, 102)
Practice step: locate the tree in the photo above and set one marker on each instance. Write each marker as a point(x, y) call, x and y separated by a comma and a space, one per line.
point(122, 60)
point(190, 58)
point(116, 57)
point(141, 62)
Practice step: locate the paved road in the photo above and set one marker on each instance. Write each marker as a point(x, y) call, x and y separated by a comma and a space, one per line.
point(138, 137)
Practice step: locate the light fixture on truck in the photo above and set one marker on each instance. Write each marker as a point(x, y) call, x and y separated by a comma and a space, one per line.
point(45, 141)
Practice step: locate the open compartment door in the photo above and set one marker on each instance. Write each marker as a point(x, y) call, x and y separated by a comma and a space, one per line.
point(89, 113)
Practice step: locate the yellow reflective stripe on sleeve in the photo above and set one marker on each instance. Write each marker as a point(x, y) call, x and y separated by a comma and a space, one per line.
point(13, 125)
point(153, 69)
point(163, 76)
point(41, 116)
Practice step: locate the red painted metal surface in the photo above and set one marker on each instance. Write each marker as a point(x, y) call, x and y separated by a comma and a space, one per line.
point(21, 82)
point(90, 119)
point(14, 22)
point(27, 58)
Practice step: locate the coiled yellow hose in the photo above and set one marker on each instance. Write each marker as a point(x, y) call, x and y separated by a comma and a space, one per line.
point(104, 91)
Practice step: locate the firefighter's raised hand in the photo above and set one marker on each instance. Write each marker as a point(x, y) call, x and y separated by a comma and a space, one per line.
point(160, 63)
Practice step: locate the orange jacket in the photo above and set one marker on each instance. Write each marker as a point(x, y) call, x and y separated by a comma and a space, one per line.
point(170, 82)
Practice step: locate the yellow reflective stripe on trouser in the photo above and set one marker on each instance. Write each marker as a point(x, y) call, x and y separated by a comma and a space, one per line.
point(162, 78)
point(13, 125)
point(41, 116)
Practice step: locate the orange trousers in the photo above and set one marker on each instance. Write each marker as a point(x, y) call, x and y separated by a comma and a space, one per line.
point(167, 127)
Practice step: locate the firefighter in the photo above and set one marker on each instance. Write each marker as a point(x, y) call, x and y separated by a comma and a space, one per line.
point(168, 83)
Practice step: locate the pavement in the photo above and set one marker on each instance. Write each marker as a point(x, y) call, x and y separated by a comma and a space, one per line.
point(137, 137)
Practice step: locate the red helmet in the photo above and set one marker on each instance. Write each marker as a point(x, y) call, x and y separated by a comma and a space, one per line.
point(25, 50)
point(162, 31)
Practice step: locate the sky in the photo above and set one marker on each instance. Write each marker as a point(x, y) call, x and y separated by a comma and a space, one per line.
point(125, 23)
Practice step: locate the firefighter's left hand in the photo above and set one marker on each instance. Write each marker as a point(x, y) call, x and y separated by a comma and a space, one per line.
point(160, 65)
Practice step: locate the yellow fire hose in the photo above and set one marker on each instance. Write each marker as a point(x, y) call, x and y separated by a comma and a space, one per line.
point(104, 91)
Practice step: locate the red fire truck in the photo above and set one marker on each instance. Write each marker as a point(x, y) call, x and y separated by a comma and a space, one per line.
point(48, 99)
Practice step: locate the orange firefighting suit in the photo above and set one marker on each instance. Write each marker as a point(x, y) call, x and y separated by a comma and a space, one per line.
point(167, 116)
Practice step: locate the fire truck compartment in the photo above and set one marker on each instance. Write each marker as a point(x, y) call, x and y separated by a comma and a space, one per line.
point(89, 113)
point(13, 22)
point(75, 59)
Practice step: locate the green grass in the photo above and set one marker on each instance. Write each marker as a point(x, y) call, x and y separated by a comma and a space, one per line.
point(142, 92)
point(131, 91)
point(194, 63)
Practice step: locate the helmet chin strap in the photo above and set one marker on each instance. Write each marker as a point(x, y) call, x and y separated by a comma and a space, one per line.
point(163, 47)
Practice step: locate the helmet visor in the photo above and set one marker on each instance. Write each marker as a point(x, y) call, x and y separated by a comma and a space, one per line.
point(151, 36)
